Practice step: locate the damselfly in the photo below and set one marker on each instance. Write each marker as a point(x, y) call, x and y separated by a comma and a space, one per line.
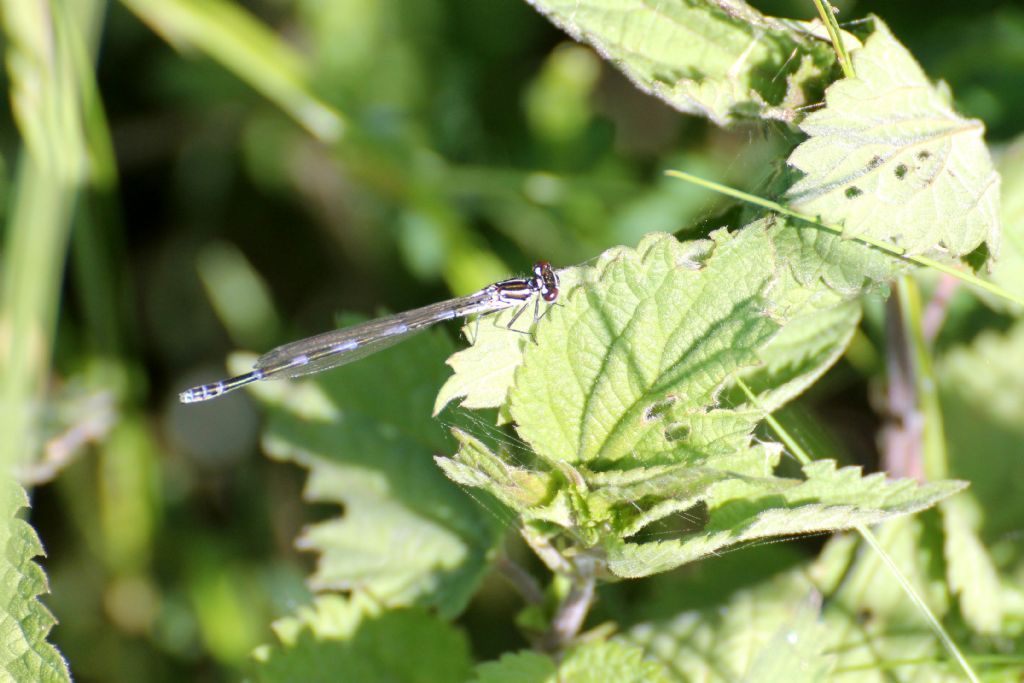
point(336, 348)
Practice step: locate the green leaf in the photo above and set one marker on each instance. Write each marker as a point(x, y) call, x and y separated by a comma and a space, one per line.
point(330, 617)
point(748, 509)
point(725, 63)
point(802, 351)
point(599, 661)
point(483, 372)
point(603, 509)
point(816, 257)
point(520, 667)
point(406, 645)
point(1008, 271)
point(778, 630)
point(796, 651)
point(593, 662)
point(770, 632)
point(969, 566)
point(588, 505)
point(627, 401)
point(408, 536)
point(27, 656)
point(475, 465)
point(778, 370)
point(982, 394)
point(888, 158)
point(642, 350)
point(875, 630)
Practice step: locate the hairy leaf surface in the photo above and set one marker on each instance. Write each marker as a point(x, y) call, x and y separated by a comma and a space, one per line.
point(888, 158)
point(725, 62)
point(628, 401)
point(747, 509)
point(643, 350)
point(27, 655)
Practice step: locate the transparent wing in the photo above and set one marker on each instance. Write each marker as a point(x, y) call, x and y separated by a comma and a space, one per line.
point(338, 347)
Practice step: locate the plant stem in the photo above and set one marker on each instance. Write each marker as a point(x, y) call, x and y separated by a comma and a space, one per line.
point(568, 620)
point(525, 584)
point(935, 463)
point(828, 18)
point(901, 436)
point(935, 311)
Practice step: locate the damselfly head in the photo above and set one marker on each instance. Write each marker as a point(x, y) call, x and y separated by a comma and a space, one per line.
point(546, 280)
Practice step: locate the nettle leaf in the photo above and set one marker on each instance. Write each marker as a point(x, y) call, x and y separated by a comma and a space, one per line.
point(576, 500)
point(778, 630)
point(519, 488)
point(329, 617)
point(860, 583)
point(633, 361)
point(726, 63)
point(816, 257)
point(482, 373)
point(801, 352)
point(1008, 271)
point(408, 536)
point(342, 640)
point(888, 158)
point(770, 632)
point(628, 404)
point(982, 392)
point(748, 509)
point(599, 661)
point(27, 655)
point(520, 667)
point(592, 662)
point(970, 568)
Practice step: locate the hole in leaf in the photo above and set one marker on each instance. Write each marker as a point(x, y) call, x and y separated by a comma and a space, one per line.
point(979, 257)
point(677, 432)
point(657, 410)
point(901, 171)
point(853, 192)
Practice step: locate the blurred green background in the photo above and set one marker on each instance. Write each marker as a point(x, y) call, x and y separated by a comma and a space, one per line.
point(468, 139)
